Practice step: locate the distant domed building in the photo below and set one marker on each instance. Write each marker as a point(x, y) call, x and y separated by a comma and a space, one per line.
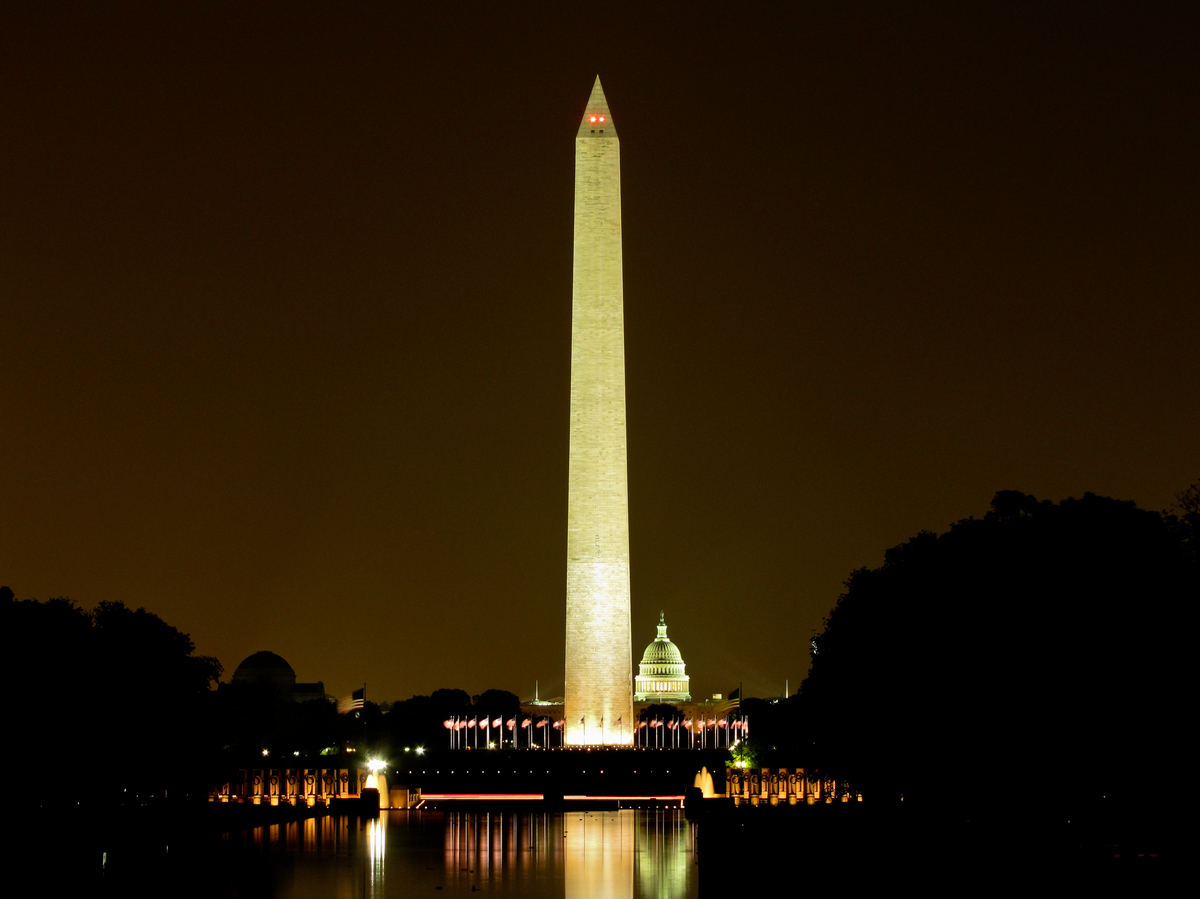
point(270, 670)
point(265, 668)
point(661, 675)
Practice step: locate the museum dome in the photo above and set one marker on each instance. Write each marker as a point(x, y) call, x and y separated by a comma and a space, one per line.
point(265, 667)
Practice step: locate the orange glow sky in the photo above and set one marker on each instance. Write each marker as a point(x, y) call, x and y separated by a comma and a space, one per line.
point(286, 296)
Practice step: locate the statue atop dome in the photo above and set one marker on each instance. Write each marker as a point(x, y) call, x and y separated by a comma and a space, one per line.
point(661, 676)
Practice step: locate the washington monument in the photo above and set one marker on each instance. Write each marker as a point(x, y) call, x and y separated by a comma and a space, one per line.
point(599, 672)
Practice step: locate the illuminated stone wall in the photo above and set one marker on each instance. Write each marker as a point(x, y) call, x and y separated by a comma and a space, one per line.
point(292, 786)
point(599, 666)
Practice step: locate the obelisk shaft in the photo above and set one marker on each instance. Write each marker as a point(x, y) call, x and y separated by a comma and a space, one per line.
point(599, 666)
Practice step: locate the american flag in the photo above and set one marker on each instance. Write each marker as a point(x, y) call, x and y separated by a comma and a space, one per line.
point(353, 701)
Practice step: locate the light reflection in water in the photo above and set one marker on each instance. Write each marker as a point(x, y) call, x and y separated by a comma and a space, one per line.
point(376, 850)
point(607, 855)
point(599, 855)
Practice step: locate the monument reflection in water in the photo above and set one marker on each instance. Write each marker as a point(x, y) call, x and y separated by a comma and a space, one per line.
point(600, 855)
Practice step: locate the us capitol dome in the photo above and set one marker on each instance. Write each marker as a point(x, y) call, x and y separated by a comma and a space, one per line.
point(660, 674)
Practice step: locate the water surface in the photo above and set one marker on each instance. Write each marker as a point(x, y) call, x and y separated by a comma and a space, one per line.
point(605, 855)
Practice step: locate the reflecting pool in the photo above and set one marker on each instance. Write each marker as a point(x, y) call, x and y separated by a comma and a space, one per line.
point(599, 855)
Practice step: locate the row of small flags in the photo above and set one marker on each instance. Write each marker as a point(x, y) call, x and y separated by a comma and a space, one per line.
point(355, 700)
point(737, 724)
point(456, 723)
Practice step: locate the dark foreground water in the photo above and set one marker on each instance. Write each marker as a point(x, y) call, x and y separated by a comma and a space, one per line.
point(578, 854)
point(615, 854)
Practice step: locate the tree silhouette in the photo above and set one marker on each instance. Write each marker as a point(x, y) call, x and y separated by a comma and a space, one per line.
point(660, 711)
point(120, 693)
point(1036, 649)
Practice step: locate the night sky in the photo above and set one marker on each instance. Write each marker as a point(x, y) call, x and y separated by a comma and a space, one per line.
point(285, 311)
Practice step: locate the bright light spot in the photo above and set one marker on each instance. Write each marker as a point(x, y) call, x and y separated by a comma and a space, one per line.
point(592, 119)
point(265, 752)
point(376, 765)
point(420, 750)
point(602, 118)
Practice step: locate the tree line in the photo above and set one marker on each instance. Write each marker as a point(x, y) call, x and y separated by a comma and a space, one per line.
point(1038, 650)
point(118, 709)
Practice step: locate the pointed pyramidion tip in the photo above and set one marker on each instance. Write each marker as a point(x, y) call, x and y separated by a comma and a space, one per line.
point(597, 119)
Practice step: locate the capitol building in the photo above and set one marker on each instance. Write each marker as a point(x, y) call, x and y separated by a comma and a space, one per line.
point(661, 676)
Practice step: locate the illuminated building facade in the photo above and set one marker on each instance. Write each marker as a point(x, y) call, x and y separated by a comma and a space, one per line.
point(598, 695)
point(661, 674)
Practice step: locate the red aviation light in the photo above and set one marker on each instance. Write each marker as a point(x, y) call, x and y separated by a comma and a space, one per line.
point(601, 118)
point(592, 120)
